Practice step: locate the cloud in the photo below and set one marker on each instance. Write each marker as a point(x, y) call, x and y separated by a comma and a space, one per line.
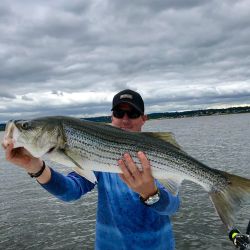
point(183, 54)
point(6, 95)
point(26, 98)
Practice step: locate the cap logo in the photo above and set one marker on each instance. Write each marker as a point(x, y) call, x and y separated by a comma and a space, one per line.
point(126, 96)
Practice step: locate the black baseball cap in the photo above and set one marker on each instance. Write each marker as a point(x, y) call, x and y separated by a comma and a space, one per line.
point(131, 97)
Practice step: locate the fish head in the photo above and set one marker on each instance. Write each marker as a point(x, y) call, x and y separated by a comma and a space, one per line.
point(39, 136)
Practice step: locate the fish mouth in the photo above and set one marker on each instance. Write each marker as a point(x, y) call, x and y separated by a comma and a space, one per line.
point(9, 129)
point(10, 135)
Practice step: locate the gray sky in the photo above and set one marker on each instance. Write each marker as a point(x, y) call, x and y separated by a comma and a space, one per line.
point(70, 57)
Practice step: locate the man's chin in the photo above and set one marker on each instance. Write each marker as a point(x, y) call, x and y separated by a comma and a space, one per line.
point(127, 129)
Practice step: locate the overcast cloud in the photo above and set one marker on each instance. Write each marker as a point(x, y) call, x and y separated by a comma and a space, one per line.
point(70, 57)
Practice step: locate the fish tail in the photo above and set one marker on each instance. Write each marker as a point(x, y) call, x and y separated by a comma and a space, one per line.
point(227, 201)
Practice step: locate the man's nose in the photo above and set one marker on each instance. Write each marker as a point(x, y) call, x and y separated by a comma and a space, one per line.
point(125, 117)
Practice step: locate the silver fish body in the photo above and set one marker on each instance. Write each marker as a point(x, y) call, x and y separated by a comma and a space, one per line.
point(104, 144)
point(88, 146)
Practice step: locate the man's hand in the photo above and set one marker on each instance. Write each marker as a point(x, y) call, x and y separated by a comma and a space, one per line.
point(22, 158)
point(141, 181)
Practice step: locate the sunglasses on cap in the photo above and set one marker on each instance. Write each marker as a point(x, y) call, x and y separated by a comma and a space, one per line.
point(132, 114)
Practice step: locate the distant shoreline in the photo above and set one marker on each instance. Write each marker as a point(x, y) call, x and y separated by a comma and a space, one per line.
point(173, 115)
point(202, 112)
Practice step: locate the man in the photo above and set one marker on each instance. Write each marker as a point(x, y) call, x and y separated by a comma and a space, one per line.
point(133, 209)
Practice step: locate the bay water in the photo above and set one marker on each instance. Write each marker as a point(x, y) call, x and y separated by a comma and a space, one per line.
point(31, 218)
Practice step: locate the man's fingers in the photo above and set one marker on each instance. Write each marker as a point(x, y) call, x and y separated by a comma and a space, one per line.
point(133, 169)
point(125, 172)
point(7, 141)
point(146, 168)
point(8, 151)
point(141, 182)
point(9, 148)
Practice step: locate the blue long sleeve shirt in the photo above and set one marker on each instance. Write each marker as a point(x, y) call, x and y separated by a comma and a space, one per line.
point(123, 221)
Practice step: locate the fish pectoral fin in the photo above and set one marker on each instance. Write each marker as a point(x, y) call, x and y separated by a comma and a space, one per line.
point(88, 174)
point(172, 184)
point(165, 136)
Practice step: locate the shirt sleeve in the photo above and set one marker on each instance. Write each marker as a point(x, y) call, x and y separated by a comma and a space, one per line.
point(168, 203)
point(67, 188)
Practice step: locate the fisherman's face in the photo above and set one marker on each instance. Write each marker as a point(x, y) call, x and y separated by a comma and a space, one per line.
point(127, 123)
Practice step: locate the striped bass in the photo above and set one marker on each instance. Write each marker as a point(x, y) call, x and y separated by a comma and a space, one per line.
point(88, 146)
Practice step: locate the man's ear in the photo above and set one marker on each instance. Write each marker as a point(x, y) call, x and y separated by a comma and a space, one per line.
point(144, 118)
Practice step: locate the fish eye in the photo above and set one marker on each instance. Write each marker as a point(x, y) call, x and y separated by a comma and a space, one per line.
point(25, 125)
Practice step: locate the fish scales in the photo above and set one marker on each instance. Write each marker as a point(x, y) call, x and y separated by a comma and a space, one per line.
point(110, 144)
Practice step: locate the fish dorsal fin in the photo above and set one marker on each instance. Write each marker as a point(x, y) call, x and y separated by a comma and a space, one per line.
point(165, 136)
